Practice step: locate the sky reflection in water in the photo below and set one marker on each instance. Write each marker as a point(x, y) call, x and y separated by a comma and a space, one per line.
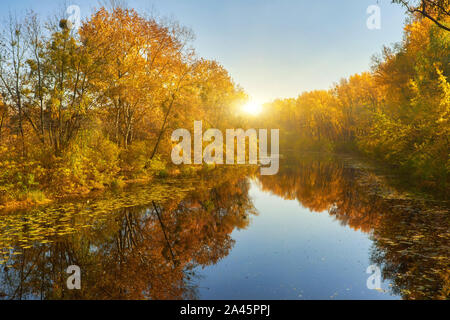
point(309, 232)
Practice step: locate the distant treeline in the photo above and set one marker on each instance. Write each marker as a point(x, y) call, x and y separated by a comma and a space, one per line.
point(399, 112)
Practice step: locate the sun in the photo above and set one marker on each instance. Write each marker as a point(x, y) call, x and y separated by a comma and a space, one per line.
point(252, 108)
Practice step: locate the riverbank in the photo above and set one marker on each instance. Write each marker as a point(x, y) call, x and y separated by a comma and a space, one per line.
point(36, 198)
point(403, 176)
point(380, 178)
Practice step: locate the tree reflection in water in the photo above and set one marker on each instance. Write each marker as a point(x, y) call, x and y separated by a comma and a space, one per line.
point(411, 239)
point(148, 244)
point(136, 252)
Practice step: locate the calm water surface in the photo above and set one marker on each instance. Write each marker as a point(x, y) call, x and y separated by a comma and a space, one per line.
point(309, 232)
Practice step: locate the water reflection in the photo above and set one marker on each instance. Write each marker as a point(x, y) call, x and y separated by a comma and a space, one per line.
point(135, 252)
point(411, 239)
point(148, 242)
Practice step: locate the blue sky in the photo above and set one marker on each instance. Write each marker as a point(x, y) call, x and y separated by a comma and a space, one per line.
point(272, 48)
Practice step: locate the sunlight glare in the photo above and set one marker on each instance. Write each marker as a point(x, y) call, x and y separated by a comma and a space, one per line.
point(252, 108)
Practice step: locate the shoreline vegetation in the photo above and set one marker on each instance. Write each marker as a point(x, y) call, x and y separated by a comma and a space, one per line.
point(87, 109)
point(93, 109)
point(379, 180)
point(397, 114)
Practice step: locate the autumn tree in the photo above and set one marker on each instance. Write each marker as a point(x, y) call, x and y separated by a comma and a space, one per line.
point(437, 11)
point(3, 117)
point(139, 59)
point(220, 96)
point(398, 112)
point(13, 49)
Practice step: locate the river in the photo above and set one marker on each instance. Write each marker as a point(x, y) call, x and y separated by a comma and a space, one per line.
point(324, 227)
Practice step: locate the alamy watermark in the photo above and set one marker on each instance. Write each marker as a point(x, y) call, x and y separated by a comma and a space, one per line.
point(374, 20)
point(213, 152)
point(74, 17)
point(374, 281)
point(74, 280)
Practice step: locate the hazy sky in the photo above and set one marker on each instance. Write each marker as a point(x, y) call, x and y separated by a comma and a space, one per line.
point(272, 48)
